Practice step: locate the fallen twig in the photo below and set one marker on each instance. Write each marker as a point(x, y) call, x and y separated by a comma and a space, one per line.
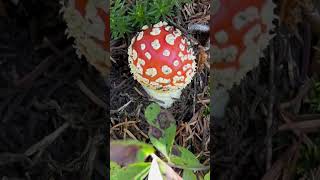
point(311, 124)
point(296, 131)
point(91, 95)
point(46, 141)
point(303, 91)
point(271, 110)
point(8, 158)
point(43, 66)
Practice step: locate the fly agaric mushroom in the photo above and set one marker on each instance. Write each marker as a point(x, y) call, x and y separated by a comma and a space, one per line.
point(240, 31)
point(162, 61)
point(88, 24)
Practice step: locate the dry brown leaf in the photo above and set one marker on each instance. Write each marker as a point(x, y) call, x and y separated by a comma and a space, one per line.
point(3, 11)
point(292, 11)
point(202, 58)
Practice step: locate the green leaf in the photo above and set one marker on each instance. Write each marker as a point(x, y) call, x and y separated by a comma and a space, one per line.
point(164, 143)
point(163, 128)
point(207, 176)
point(114, 169)
point(129, 151)
point(151, 113)
point(136, 171)
point(183, 157)
point(167, 171)
point(189, 175)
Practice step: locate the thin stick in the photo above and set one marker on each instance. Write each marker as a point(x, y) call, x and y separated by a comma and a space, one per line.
point(194, 94)
point(271, 107)
point(91, 95)
point(46, 141)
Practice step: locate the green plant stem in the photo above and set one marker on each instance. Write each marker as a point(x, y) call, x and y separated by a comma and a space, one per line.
point(204, 168)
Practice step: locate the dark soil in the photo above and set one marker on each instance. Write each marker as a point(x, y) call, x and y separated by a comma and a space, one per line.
point(50, 128)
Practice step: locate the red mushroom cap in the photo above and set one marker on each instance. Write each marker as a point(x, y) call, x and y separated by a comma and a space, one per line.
point(88, 22)
point(240, 30)
point(161, 58)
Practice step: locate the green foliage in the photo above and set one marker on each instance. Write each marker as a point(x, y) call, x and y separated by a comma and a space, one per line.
point(114, 169)
point(162, 136)
point(207, 110)
point(164, 144)
point(136, 171)
point(189, 175)
point(139, 13)
point(309, 159)
point(118, 20)
point(160, 9)
point(126, 17)
point(207, 176)
point(185, 158)
point(151, 113)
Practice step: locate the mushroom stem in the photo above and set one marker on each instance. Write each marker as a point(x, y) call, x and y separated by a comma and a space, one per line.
point(166, 98)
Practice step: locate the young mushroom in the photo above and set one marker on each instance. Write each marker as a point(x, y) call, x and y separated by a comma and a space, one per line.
point(240, 31)
point(162, 61)
point(88, 23)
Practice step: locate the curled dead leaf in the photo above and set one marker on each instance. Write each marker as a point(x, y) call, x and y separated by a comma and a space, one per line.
point(202, 58)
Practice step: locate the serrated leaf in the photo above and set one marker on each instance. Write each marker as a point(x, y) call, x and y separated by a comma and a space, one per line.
point(129, 151)
point(136, 171)
point(207, 176)
point(189, 175)
point(183, 157)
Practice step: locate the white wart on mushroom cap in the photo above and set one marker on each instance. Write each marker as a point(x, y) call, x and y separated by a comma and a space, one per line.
point(88, 23)
point(161, 58)
point(240, 31)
